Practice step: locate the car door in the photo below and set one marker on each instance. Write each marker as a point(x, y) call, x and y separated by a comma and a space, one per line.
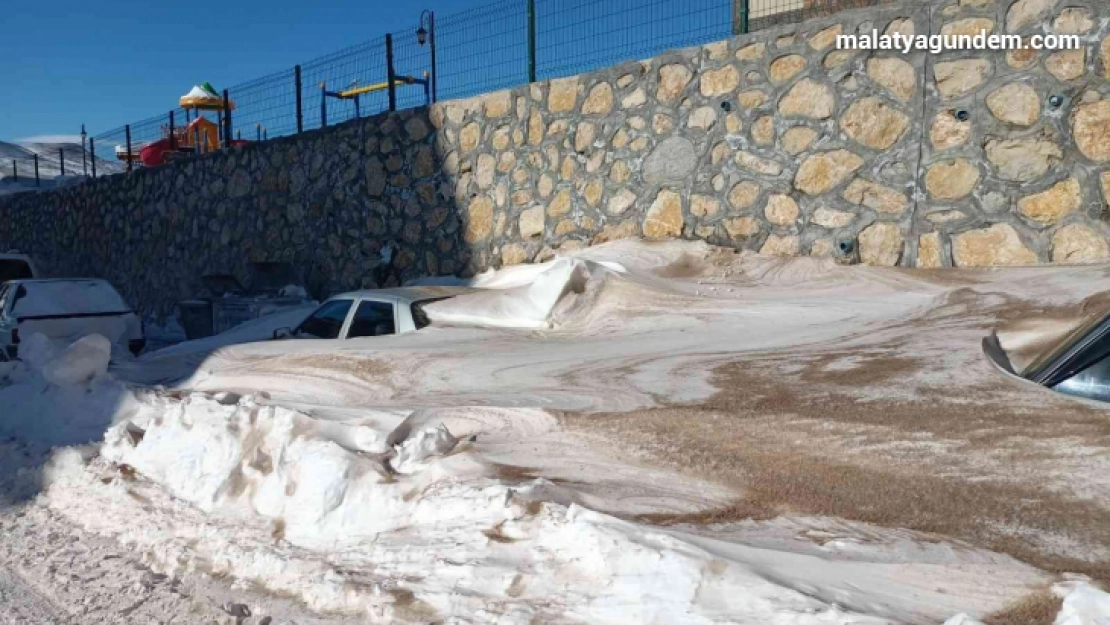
point(373, 318)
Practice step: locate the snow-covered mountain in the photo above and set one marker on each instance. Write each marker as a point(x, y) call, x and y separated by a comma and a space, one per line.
point(50, 165)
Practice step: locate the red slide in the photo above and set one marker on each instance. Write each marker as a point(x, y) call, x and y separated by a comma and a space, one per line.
point(153, 154)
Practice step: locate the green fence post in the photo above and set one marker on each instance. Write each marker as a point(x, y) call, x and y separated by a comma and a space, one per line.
point(745, 12)
point(531, 40)
point(391, 76)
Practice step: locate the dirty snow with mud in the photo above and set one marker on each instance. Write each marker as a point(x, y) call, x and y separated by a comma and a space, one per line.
point(426, 477)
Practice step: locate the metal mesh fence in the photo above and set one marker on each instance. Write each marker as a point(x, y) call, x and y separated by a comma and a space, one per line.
point(483, 49)
point(575, 36)
point(19, 171)
point(764, 14)
point(411, 61)
point(265, 107)
point(357, 66)
point(40, 165)
point(107, 142)
point(493, 46)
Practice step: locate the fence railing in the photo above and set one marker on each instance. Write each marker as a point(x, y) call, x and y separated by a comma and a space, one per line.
point(24, 170)
point(41, 169)
point(498, 45)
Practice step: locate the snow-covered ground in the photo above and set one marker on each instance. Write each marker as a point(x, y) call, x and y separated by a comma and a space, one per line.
point(454, 474)
point(50, 166)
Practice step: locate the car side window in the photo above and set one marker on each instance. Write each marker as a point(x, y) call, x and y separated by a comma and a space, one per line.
point(4, 290)
point(372, 319)
point(327, 321)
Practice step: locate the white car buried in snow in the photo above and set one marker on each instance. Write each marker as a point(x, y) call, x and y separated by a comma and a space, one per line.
point(376, 312)
point(65, 310)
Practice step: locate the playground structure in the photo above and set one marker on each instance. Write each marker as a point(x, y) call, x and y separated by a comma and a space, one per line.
point(355, 93)
point(199, 135)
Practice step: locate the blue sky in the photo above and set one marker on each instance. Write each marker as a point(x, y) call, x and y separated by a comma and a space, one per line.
point(110, 62)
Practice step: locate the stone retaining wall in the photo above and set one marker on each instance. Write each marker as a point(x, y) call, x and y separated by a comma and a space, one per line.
point(774, 142)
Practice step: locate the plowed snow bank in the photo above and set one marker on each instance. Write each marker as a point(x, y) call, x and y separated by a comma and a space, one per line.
point(429, 526)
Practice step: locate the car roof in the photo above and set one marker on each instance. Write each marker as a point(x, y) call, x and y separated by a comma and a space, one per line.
point(406, 294)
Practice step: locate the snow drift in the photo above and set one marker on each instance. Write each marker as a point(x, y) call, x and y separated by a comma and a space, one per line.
point(401, 520)
point(553, 293)
point(401, 512)
point(527, 300)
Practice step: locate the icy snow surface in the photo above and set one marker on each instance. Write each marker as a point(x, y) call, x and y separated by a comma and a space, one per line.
point(425, 477)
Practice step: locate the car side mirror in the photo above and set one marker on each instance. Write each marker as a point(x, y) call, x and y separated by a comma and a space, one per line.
point(283, 333)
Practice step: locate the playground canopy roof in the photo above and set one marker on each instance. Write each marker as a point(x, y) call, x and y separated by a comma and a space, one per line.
point(204, 97)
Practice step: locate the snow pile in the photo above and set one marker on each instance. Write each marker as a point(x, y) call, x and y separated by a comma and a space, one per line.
point(1083, 603)
point(413, 453)
point(36, 350)
point(525, 298)
point(543, 295)
point(83, 361)
point(233, 455)
point(404, 522)
point(62, 395)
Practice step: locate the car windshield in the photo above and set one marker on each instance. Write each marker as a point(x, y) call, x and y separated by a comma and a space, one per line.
point(67, 297)
point(327, 321)
point(1044, 365)
point(1086, 373)
point(14, 269)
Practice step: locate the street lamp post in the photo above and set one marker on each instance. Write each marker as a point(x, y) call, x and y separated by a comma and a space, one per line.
point(84, 164)
point(428, 35)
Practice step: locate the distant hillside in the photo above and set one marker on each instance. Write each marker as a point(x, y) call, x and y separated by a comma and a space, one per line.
point(50, 170)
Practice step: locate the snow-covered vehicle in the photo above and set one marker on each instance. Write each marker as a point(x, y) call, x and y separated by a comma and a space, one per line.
point(377, 312)
point(16, 266)
point(1078, 364)
point(65, 310)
